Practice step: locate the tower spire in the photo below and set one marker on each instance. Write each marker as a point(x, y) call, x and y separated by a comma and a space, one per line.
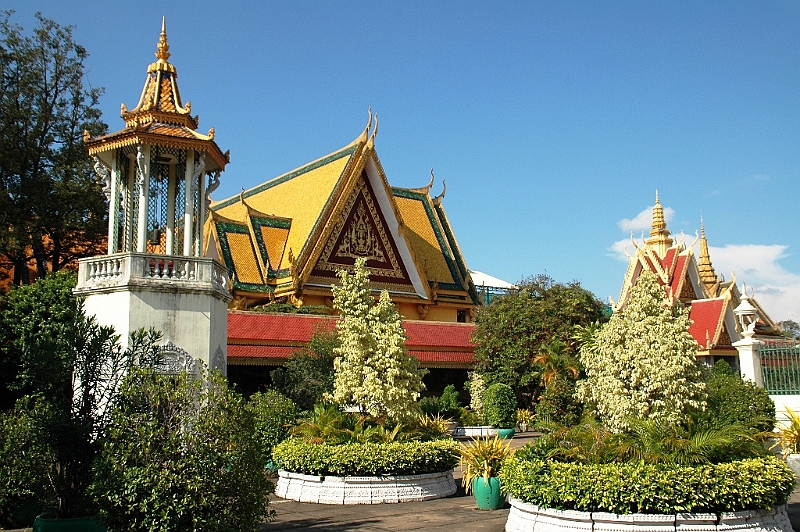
point(162, 54)
point(707, 274)
point(659, 234)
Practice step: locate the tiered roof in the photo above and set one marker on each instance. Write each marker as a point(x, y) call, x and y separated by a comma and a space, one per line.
point(160, 118)
point(694, 283)
point(287, 237)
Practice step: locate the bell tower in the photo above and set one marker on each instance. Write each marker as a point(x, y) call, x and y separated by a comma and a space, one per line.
point(158, 174)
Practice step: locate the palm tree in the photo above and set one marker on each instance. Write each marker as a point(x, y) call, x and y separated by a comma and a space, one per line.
point(555, 359)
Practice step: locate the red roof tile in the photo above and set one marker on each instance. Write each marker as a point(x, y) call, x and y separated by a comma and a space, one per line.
point(254, 335)
point(707, 316)
point(678, 275)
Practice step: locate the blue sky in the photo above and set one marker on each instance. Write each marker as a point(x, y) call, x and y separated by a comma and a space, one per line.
point(553, 123)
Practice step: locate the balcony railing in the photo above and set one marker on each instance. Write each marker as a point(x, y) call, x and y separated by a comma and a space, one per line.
point(108, 271)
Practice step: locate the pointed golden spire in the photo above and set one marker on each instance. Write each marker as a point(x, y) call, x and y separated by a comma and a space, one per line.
point(707, 274)
point(659, 234)
point(162, 53)
point(163, 48)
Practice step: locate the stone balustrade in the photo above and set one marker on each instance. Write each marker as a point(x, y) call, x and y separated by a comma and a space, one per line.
point(105, 272)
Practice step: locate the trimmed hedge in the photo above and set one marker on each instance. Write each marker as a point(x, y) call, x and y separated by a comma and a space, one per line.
point(637, 487)
point(362, 459)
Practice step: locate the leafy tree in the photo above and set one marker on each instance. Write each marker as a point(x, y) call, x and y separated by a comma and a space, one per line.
point(511, 331)
point(790, 329)
point(372, 368)
point(307, 375)
point(643, 364)
point(732, 400)
point(554, 360)
point(46, 309)
point(181, 454)
point(71, 369)
point(557, 404)
point(51, 207)
point(500, 405)
point(273, 414)
point(476, 387)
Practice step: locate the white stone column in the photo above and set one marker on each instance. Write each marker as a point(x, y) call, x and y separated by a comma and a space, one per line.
point(113, 209)
point(171, 192)
point(130, 190)
point(188, 210)
point(749, 359)
point(143, 164)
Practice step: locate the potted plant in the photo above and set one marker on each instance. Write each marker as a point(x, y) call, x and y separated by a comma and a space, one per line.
point(500, 408)
point(524, 419)
point(481, 460)
point(789, 441)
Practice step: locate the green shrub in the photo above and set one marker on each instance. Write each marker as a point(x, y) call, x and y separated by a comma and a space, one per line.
point(733, 400)
point(448, 402)
point(307, 375)
point(430, 405)
point(557, 404)
point(273, 414)
point(181, 454)
point(470, 418)
point(637, 487)
point(24, 468)
point(500, 405)
point(354, 459)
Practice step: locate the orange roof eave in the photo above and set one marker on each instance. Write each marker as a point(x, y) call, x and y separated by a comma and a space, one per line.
point(124, 138)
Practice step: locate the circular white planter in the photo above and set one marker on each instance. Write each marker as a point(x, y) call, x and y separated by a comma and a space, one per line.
point(475, 432)
point(364, 490)
point(525, 517)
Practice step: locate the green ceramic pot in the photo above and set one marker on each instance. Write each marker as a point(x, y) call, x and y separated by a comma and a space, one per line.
point(487, 493)
point(505, 434)
point(76, 524)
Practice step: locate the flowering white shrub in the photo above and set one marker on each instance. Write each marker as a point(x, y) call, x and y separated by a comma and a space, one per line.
point(643, 362)
point(372, 368)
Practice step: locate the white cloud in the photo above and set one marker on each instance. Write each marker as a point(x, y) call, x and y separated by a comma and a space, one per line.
point(644, 220)
point(758, 266)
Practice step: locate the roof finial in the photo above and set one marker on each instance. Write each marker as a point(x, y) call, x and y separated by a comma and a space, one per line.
point(163, 48)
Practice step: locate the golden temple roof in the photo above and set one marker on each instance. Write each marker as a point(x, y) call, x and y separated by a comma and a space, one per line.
point(160, 117)
point(333, 210)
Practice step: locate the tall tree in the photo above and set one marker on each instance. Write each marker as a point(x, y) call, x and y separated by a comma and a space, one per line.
point(643, 363)
point(51, 207)
point(512, 331)
point(372, 368)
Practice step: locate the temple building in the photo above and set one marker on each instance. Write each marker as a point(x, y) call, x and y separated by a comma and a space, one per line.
point(692, 281)
point(175, 258)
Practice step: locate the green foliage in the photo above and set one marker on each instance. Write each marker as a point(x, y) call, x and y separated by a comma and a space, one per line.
point(273, 414)
point(327, 424)
point(475, 387)
point(470, 418)
point(558, 405)
point(50, 201)
point(30, 314)
point(307, 375)
point(789, 434)
point(24, 468)
point(447, 404)
point(512, 329)
point(648, 441)
point(181, 454)
point(643, 364)
point(731, 400)
point(354, 459)
point(483, 458)
point(639, 487)
point(373, 371)
point(72, 369)
point(500, 406)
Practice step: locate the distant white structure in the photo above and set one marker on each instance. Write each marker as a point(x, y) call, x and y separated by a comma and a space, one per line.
point(489, 287)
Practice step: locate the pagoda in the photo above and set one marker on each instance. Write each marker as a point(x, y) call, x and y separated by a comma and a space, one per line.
point(692, 281)
point(158, 173)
